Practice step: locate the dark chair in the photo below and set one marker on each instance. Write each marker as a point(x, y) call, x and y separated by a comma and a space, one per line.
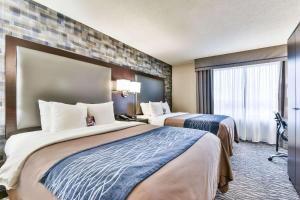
point(281, 132)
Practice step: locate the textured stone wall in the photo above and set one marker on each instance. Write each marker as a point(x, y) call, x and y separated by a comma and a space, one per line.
point(31, 21)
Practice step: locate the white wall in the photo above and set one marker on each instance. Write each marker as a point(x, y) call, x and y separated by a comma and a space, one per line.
point(184, 88)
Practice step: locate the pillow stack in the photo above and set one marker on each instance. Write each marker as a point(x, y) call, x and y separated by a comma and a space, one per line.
point(59, 116)
point(155, 109)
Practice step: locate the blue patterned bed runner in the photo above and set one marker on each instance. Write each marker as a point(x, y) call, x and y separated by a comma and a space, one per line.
point(205, 122)
point(111, 171)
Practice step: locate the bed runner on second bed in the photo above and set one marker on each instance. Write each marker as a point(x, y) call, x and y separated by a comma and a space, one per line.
point(112, 170)
point(205, 122)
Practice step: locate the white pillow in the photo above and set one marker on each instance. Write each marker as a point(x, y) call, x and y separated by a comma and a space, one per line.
point(156, 108)
point(45, 115)
point(66, 116)
point(145, 108)
point(102, 112)
point(166, 108)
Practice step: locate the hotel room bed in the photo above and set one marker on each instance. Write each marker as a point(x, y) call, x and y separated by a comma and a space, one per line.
point(194, 174)
point(222, 126)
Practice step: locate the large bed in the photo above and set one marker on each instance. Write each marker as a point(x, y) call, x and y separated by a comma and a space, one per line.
point(116, 160)
point(195, 174)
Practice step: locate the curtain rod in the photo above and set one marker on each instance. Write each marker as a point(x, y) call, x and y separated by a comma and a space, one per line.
point(240, 64)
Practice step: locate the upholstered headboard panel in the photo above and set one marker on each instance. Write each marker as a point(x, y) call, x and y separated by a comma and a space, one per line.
point(152, 89)
point(50, 77)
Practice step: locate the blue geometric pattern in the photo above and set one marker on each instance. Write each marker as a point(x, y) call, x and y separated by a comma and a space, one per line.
point(205, 122)
point(111, 171)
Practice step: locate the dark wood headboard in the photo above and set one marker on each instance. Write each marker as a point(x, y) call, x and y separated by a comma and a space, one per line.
point(152, 89)
point(117, 72)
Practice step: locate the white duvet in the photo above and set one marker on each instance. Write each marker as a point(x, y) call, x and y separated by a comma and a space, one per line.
point(19, 147)
point(160, 120)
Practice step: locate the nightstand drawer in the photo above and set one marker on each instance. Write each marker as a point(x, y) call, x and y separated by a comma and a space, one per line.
point(132, 120)
point(142, 120)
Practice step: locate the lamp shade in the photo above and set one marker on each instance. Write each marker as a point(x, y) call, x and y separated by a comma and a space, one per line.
point(123, 85)
point(135, 87)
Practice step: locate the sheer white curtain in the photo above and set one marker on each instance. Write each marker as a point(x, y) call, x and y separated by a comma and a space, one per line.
point(229, 97)
point(250, 95)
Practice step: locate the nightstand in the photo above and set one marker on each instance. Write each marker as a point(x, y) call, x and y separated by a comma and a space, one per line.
point(142, 120)
point(132, 120)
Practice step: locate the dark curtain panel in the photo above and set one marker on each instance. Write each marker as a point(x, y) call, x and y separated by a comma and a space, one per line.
point(282, 98)
point(205, 100)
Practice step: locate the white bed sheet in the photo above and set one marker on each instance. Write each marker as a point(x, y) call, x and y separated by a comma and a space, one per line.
point(159, 120)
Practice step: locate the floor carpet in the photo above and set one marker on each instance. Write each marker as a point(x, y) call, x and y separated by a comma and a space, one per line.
point(257, 178)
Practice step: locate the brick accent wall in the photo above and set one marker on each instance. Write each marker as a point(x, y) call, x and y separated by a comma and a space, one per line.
point(31, 21)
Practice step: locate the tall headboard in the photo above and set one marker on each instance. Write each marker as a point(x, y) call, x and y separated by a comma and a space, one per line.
point(35, 71)
point(152, 89)
point(49, 77)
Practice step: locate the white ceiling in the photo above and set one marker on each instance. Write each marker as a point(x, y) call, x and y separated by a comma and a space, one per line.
point(176, 31)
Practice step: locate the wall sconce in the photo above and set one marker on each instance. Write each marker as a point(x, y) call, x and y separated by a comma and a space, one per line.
point(122, 85)
point(135, 87)
point(126, 87)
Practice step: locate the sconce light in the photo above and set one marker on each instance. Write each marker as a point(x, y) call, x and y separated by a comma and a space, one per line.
point(126, 87)
point(135, 87)
point(123, 86)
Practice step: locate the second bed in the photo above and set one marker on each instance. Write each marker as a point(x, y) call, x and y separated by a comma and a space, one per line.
point(222, 126)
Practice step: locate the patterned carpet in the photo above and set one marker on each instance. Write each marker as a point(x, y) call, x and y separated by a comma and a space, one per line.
point(257, 178)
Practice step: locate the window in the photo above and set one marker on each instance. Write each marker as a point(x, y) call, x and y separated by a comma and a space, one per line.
point(250, 95)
